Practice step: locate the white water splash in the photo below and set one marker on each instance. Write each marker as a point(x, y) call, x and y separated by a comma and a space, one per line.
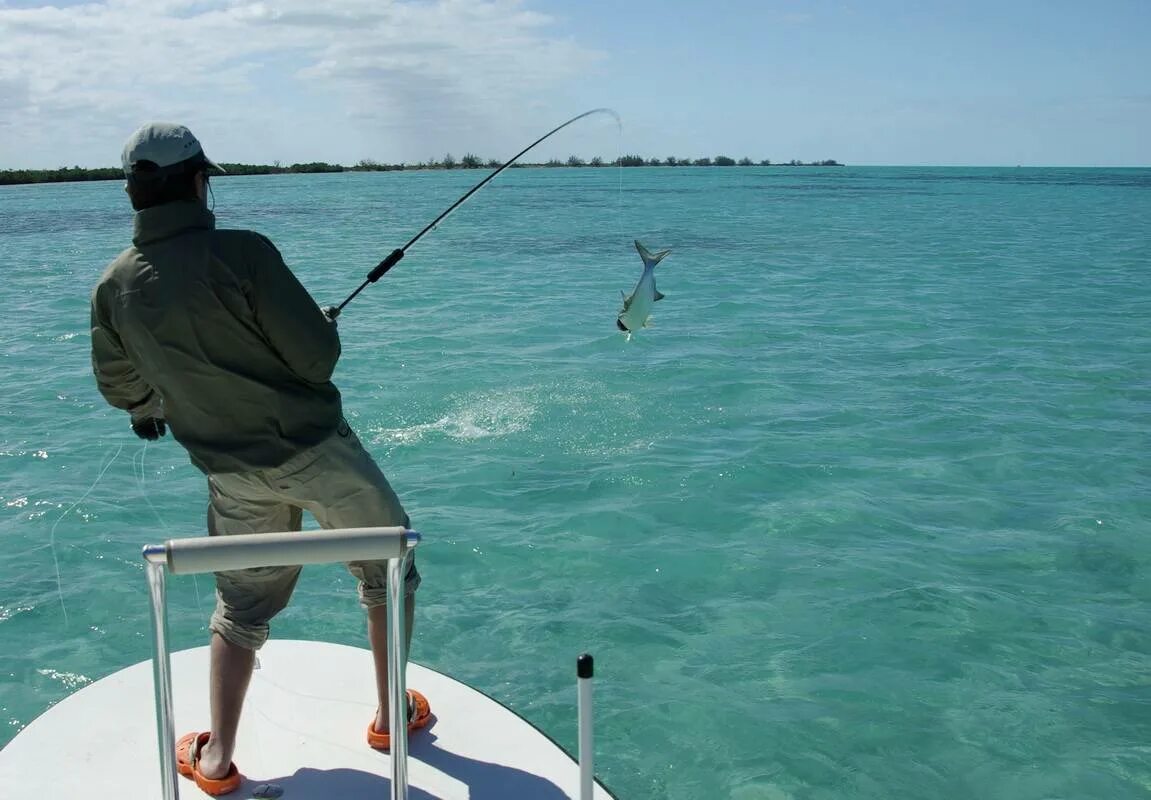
point(477, 417)
point(70, 680)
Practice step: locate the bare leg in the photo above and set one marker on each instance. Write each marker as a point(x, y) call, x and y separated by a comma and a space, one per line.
point(231, 672)
point(378, 636)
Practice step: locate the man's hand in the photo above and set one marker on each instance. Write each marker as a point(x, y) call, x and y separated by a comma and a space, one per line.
point(150, 428)
point(330, 313)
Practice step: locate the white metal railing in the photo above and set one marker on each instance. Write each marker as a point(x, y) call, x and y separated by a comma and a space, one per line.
point(221, 553)
point(585, 668)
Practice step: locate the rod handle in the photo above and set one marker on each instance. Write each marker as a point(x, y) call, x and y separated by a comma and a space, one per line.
point(385, 265)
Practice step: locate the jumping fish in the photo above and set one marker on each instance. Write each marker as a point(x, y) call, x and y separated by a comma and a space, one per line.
point(637, 307)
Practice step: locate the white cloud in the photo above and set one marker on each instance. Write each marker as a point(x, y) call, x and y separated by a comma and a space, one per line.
point(286, 79)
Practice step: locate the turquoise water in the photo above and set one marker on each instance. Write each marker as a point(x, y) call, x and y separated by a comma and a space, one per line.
point(864, 514)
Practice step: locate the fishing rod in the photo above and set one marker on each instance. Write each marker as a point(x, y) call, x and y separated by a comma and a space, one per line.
point(394, 257)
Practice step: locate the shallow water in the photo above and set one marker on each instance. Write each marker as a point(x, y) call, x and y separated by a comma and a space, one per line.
point(864, 514)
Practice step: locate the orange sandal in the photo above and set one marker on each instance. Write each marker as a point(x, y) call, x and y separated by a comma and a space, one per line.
point(188, 753)
point(419, 714)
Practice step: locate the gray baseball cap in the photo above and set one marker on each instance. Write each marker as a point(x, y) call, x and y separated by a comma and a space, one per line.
point(165, 144)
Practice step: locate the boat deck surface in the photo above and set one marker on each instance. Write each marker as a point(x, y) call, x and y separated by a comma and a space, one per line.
point(302, 735)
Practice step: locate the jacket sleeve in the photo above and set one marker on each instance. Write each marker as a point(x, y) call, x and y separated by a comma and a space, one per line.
point(116, 377)
point(294, 325)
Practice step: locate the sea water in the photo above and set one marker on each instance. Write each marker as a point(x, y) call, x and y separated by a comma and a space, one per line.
point(864, 513)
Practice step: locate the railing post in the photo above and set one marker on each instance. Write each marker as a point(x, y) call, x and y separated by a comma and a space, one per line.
point(585, 668)
point(397, 687)
point(155, 558)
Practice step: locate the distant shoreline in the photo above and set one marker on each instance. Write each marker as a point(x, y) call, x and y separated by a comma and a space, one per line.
point(13, 177)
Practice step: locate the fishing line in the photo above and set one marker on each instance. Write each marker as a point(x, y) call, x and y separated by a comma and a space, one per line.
point(619, 171)
point(52, 533)
point(143, 491)
point(395, 256)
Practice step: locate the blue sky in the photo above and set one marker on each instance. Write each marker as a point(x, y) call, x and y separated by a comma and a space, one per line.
point(880, 82)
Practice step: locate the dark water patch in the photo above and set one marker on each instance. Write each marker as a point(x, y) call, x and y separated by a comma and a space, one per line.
point(1134, 178)
point(53, 221)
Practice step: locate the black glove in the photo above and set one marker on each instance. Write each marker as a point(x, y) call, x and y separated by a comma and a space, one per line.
point(330, 313)
point(149, 428)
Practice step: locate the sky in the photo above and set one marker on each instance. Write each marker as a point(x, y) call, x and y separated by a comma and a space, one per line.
point(865, 82)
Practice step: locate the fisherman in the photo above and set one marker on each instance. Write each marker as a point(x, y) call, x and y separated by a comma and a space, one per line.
point(207, 332)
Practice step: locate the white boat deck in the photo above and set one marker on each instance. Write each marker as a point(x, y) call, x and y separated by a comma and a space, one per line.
point(303, 733)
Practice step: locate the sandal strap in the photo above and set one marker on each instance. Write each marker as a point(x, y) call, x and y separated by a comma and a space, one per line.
point(194, 749)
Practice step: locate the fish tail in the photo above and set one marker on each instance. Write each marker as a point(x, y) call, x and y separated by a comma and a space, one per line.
point(650, 259)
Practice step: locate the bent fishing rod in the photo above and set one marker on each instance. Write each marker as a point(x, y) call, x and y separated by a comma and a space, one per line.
point(394, 257)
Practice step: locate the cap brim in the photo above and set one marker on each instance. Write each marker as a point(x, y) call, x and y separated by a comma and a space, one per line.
point(199, 160)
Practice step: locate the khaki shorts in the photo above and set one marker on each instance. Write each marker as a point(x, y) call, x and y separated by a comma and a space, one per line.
point(340, 485)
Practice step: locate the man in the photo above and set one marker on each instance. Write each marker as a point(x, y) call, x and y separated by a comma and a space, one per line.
point(207, 332)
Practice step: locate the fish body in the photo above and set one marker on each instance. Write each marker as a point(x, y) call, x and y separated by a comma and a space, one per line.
point(637, 306)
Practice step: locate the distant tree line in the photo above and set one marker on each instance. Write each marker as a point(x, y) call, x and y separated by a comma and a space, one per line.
point(468, 161)
point(718, 161)
point(471, 161)
point(61, 175)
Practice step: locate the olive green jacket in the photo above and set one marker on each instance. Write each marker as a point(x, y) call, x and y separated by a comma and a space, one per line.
point(210, 330)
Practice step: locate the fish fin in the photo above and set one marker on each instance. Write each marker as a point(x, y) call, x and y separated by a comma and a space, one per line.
point(659, 295)
point(626, 301)
point(650, 259)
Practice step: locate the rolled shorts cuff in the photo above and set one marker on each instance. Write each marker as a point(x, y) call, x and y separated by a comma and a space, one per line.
point(373, 581)
point(245, 635)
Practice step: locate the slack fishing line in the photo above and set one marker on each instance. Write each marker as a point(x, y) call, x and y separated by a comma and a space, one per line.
point(395, 256)
point(138, 470)
point(52, 533)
